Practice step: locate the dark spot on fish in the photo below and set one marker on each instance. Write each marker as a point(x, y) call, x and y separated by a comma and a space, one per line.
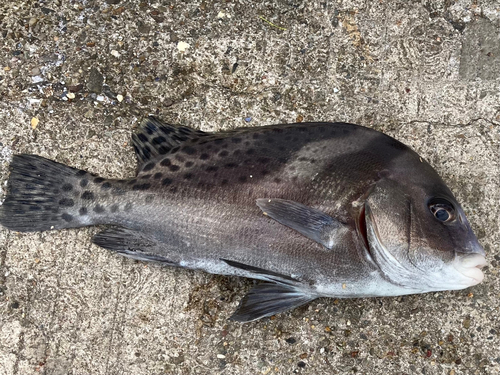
point(83, 211)
point(302, 129)
point(248, 162)
point(174, 168)
point(189, 150)
point(180, 158)
point(67, 217)
point(67, 202)
point(148, 167)
point(242, 178)
point(269, 140)
point(142, 137)
point(302, 158)
point(277, 130)
point(223, 154)
point(35, 208)
point(188, 176)
point(224, 182)
point(150, 130)
point(295, 178)
point(141, 187)
point(230, 165)
point(277, 180)
point(133, 181)
point(255, 135)
point(80, 173)
point(212, 169)
point(219, 141)
point(106, 186)
point(88, 195)
point(150, 198)
point(281, 148)
point(67, 187)
point(173, 189)
point(157, 176)
point(114, 208)
point(166, 181)
point(263, 160)
point(264, 172)
point(247, 143)
point(163, 150)
point(166, 130)
point(98, 180)
point(237, 152)
point(53, 218)
point(165, 162)
point(236, 140)
point(175, 149)
point(99, 209)
point(145, 177)
point(56, 191)
point(188, 164)
point(204, 156)
point(159, 140)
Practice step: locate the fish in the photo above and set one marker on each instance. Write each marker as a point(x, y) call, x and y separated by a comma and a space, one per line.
point(309, 209)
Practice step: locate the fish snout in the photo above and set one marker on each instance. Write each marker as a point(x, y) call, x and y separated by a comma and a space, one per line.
point(470, 266)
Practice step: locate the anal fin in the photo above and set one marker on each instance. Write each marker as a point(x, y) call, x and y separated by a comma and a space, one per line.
point(132, 244)
point(269, 299)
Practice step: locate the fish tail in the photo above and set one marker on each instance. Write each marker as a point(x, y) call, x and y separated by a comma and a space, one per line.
point(44, 195)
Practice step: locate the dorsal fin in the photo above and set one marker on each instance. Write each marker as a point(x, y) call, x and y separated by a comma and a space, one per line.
point(156, 138)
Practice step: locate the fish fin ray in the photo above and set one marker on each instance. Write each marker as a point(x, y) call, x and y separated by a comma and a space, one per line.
point(131, 244)
point(310, 222)
point(156, 139)
point(274, 276)
point(268, 299)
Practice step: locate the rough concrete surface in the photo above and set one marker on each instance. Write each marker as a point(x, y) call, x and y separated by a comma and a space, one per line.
point(77, 76)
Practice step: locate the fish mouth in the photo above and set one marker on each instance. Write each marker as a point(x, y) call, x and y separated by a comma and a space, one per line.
point(470, 267)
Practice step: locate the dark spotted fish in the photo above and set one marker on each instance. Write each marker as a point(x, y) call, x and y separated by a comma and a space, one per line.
point(318, 209)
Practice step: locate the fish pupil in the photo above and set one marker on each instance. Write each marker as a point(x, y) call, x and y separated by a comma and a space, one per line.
point(442, 214)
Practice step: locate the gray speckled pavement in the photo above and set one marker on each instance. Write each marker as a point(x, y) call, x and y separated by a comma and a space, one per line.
point(77, 76)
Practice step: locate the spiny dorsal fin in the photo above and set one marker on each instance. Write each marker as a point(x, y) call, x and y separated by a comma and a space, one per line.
point(269, 299)
point(156, 138)
point(309, 222)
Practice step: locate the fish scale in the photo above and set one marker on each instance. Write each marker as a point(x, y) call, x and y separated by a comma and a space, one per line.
point(314, 209)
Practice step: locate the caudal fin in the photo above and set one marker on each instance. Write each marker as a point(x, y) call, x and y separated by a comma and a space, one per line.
point(43, 195)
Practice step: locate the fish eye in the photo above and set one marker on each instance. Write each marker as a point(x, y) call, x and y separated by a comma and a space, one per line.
point(442, 209)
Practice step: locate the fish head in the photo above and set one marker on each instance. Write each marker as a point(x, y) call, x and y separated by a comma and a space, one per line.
point(420, 238)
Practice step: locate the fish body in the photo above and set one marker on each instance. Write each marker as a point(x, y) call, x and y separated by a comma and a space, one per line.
point(317, 209)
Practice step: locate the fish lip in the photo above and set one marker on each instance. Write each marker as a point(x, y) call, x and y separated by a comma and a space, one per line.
point(469, 265)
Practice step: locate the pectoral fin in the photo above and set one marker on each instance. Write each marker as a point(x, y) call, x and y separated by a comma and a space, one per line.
point(269, 299)
point(310, 222)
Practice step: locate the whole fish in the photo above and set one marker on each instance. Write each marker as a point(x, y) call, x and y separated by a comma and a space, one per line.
point(312, 209)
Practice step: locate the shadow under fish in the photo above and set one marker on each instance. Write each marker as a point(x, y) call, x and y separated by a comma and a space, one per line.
point(312, 209)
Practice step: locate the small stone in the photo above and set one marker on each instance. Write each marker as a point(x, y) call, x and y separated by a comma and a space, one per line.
point(115, 53)
point(33, 21)
point(36, 79)
point(95, 81)
point(182, 46)
point(221, 356)
point(34, 123)
point(119, 97)
point(7, 68)
point(100, 98)
point(35, 71)
point(71, 95)
point(466, 323)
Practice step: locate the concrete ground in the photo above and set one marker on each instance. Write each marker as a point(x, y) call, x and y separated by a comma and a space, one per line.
point(77, 76)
